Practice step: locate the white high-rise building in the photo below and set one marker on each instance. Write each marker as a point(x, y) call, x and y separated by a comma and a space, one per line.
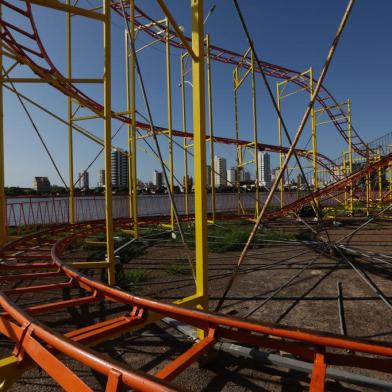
point(231, 177)
point(220, 171)
point(264, 168)
point(119, 169)
point(101, 178)
point(83, 182)
point(157, 179)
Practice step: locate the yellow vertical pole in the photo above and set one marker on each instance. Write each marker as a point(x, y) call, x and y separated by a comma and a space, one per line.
point(129, 125)
point(238, 147)
point(281, 157)
point(201, 228)
point(314, 143)
point(390, 174)
point(367, 182)
point(71, 201)
point(255, 139)
point(169, 120)
point(350, 152)
point(184, 128)
point(108, 142)
point(3, 205)
point(131, 108)
point(211, 126)
point(345, 175)
point(379, 176)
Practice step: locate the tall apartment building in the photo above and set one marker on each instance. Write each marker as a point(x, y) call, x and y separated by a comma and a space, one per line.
point(220, 172)
point(41, 184)
point(157, 179)
point(101, 178)
point(231, 176)
point(264, 168)
point(119, 170)
point(84, 182)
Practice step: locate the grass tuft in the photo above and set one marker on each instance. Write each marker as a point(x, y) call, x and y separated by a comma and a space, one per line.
point(126, 279)
point(178, 268)
point(226, 237)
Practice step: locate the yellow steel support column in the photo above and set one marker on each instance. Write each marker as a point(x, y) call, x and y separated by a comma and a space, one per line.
point(280, 95)
point(201, 228)
point(379, 179)
point(184, 128)
point(344, 164)
point(350, 156)
point(3, 202)
point(367, 184)
point(211, 126)
point(169, 120)
point(131, 108)
point(108, 143)
point(314, 144)
point(390, 174)
point(246, 64)
point(255, 139)
point(239, 148)
point(129, 126)
point(10, 371)
point(71, 201)
point(281, 156)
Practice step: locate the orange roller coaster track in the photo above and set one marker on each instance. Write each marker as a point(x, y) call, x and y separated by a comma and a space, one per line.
point(36, 343)
point(41, 257)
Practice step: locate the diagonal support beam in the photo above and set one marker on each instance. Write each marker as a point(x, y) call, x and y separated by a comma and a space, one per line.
point(187, 358)
point(56, 5)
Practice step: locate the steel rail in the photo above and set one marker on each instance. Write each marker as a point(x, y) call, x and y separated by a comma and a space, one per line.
point(332, 187)
point(325, 98)
point(236, 329)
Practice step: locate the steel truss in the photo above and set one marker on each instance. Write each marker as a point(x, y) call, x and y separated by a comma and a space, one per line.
point(41, 256)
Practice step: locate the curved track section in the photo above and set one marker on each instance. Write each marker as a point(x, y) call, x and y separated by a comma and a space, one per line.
point(326, 100)
point(25, 45)
point(36, 344)
point(330, 190)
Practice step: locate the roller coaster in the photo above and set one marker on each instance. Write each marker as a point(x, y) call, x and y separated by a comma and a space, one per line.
point(38, 269)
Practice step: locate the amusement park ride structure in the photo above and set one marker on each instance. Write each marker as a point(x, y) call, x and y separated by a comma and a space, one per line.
point(39, 256)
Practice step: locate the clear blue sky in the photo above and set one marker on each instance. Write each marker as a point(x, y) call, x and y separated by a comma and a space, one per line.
point(296, 34)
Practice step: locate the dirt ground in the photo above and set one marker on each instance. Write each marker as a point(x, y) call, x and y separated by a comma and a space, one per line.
point(290, 283)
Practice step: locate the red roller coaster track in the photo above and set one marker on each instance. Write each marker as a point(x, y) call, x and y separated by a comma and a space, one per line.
point(39, 344)
point(34, 54)
point(324, 98)
point(39, 257)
